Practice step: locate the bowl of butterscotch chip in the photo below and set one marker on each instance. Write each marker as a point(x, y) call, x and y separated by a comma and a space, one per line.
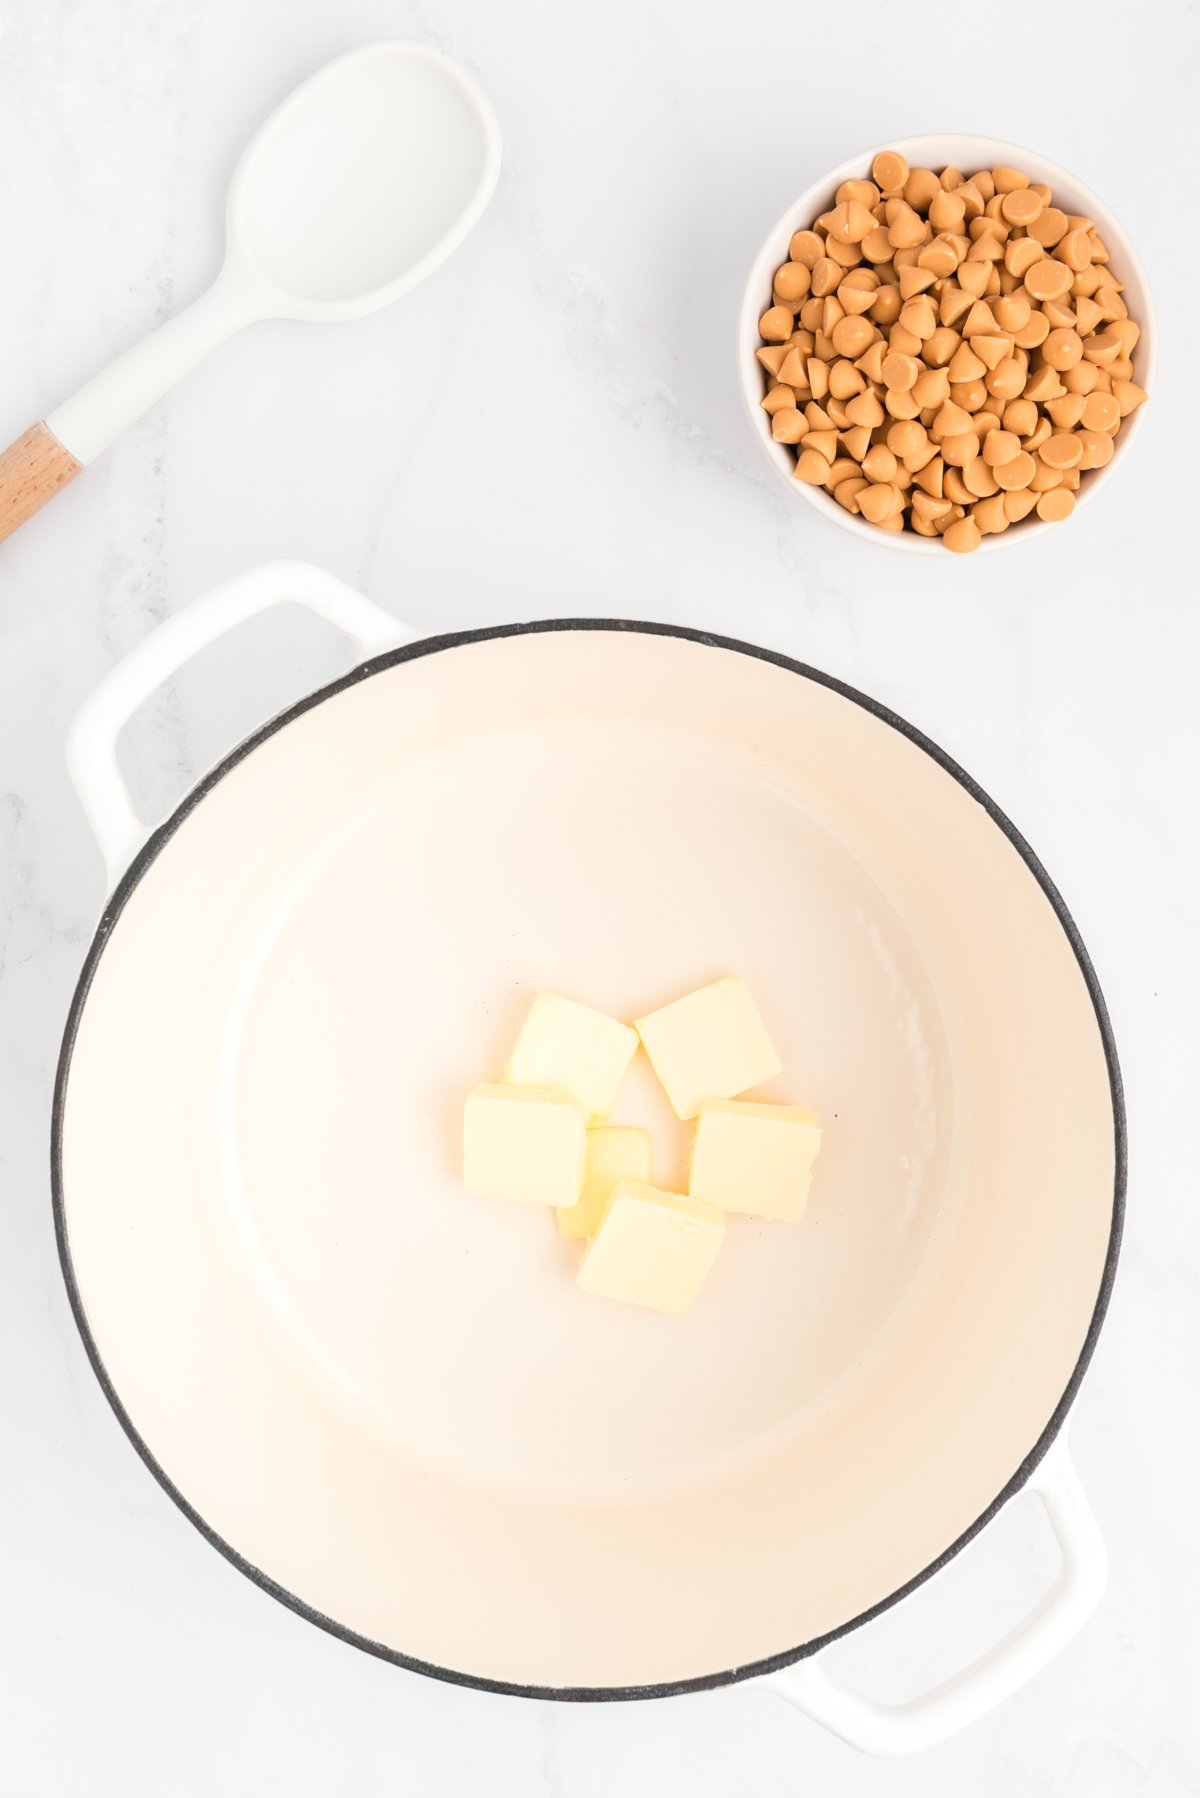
point(946, 344)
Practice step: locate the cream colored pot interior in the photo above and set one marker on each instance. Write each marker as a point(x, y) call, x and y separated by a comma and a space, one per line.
point(390, 1399)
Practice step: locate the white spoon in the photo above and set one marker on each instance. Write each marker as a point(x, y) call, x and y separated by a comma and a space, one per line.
point(355, 189)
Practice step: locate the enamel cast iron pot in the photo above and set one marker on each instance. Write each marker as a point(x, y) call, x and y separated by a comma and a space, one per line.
point(388, 1403)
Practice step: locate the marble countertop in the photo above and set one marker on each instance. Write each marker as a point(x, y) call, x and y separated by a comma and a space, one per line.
point(552, 424)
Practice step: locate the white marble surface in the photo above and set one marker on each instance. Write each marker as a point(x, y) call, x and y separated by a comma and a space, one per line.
point(552, 424)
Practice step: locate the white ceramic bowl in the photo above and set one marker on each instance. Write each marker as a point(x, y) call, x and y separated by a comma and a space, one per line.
point(968, 154)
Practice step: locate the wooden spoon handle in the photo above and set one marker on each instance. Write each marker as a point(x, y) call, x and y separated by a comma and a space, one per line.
point(32, 470)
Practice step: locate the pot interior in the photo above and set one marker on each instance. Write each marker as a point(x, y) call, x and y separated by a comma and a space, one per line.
point(390, 1399)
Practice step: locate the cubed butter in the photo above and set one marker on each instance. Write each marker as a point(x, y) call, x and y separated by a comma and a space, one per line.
point(712, 1044)
point(652, 1248)
point(754, 1158)
point(569, 1046)
point(614, 1152)
point(526, 1143)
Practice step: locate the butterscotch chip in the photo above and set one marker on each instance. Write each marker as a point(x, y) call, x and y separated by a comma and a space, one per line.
point(1017, 473)
point(807, 247)
point(951, 420)
point(905, 229)
point(1045, 385)
point(824, 442)
point(1000, 447)
point(1129, 396)
point(920, 188)
point(792, 282)
point(900, 372)
point(1101, 411)
point(987, 247)
point(847, 255)
point(879, 464)
point(1056, 505)
point(919, 316)
point(853, 298)
point(1039, 435)
point(1075, 249)
point(871, 361)
point(1048, 280)
point(1007, 379)
point(962, 536)
point(900, 405)
point(1066, 411)
point(1102, 348)
point(938, 349)
point(929, 509)
point(970, 395)
point(1020, 417)
point(1019, 504)
point(1127, 334)
point(1062, 349)
point(980, 321)
point(865, 409)
point(990, 515)
point(931, 388)
point(1096, 447)
point(775, 325)
point(1012, 310)
point(1020, 255)
point(939, 258)
point(788, 426)
point(878, 501)
point(889, 171)
point(906, 437)
point(812, 468)
point(1021, 206)
point(1061, 450)
point(876, 246)
point(845, 380)
point(1048, 227)
point(846, 492)
point(979, 479)
point(915, 280)
point(1045, 477)
point(992, 351)
point(1032, 335)
point(851, 335)
point(959, 450)
point(851, 221)
point(947, 210)
point(966, 364)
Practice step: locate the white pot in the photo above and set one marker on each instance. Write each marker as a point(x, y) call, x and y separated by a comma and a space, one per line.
point(388, 1403)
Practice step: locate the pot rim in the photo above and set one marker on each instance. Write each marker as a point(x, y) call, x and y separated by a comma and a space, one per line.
point(157, 841)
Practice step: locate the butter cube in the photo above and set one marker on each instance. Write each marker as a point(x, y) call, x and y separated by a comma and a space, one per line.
point(754, 1158)
point(710, 1045)
point(528, 1144)
point(569, 1046)
point(614, 1152)
point(652, 1248)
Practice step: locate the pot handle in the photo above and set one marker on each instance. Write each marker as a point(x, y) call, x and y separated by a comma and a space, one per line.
point(896, 1729)
point(92, 740)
